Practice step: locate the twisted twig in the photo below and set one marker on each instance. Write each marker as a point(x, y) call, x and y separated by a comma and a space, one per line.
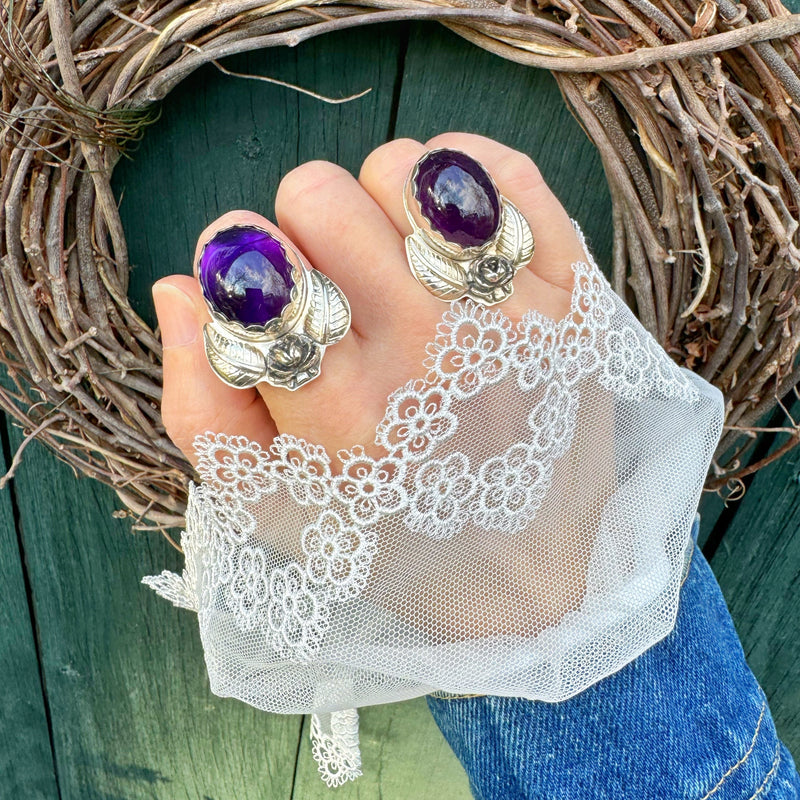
point(695, 120)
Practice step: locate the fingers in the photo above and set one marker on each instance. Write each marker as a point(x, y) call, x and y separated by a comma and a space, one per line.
point(352, 230)
point(519, 179)
point(384, 173)
point(347, 235)
point(194, 398)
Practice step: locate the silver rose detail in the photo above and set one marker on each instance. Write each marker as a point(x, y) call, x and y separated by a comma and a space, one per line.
point(489, 278)
point(293, 360)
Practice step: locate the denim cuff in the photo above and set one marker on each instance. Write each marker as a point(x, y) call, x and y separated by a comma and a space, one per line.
point(686, 719)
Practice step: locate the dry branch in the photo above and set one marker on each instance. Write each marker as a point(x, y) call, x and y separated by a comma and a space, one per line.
point(705, 194)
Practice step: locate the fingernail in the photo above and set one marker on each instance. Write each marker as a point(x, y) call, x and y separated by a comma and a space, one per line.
point(176, 315)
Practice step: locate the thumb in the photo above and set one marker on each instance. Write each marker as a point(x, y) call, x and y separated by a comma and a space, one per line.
point(194, 399)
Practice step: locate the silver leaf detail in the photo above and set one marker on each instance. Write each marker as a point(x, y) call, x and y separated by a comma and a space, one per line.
point(436, 273)
point(515, 241)
point(237, 363)
point(328, 318)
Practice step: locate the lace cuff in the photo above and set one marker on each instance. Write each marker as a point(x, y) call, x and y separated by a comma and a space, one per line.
point(524, 533)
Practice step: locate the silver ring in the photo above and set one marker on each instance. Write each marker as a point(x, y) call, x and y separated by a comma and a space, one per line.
point(272, 316)
point(467, 239)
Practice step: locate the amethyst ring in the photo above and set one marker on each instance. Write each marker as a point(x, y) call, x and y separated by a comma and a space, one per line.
point(271, 316)
point(467, 239)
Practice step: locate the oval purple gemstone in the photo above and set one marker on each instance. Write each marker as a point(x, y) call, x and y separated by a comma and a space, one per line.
point(457, 196)
point(246, 276)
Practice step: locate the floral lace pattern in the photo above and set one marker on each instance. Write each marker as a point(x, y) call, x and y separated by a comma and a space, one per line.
point(427, 480)
point(296, 614)
point(370, 488)
point(249, 585)
point(338, 556)
point(474, 348)
point(336, 752)
point(552, 421)
point(418, 417)
point(440, 501)
point(305, 469)
point(241, 473)
point(511, 488)
point(471, 349)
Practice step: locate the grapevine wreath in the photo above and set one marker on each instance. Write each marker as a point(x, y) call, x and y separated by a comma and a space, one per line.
point(693, 107)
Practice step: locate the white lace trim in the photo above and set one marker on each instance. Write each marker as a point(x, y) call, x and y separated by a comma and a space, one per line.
point(474, 348)
point(289, 602)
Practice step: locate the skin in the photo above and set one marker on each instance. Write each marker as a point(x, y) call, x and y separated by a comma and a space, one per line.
point(353, 230)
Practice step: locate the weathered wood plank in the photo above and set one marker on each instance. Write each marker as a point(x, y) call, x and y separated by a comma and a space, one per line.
point(131, 711)
point(760, 557)
point(224, 143)
point(132, 721)
point(449, 84)
point(26, 758)
point(452, 85)
point(139, 721)
point(717, 510)
point(758, 567)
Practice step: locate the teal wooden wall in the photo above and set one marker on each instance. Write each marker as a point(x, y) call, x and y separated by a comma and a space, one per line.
point(106, 695)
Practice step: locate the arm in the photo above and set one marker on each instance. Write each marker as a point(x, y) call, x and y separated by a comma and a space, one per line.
point(686, 719)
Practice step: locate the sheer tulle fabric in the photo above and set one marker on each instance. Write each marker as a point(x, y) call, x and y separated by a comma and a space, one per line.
point(523, 532)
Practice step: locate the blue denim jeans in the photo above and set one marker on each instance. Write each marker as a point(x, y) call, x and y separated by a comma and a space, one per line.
point(686, 719)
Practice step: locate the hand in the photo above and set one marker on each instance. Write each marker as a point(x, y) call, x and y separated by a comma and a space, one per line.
point(353, 231)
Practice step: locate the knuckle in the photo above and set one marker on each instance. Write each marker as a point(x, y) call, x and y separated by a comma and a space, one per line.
point(235, 217)
point(456, 139)
point(306, 179)
point(176, 428)
point(519, 171)
point(182, 427)
point(387, 159)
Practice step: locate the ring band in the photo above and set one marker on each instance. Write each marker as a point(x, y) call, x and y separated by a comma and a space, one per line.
point(272, 316)
point(467, 239)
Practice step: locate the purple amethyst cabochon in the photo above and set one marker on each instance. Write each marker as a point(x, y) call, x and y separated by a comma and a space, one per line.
point(457, 197)
point(246, 276)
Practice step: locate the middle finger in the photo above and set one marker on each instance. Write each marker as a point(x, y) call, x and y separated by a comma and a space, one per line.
point(346, 234)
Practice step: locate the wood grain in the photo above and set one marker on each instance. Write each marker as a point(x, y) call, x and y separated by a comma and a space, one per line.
point(404, 757)
point(26, 759)
point(757, 565)
point(132, 715)
point(223, 143)
point(449, 85)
